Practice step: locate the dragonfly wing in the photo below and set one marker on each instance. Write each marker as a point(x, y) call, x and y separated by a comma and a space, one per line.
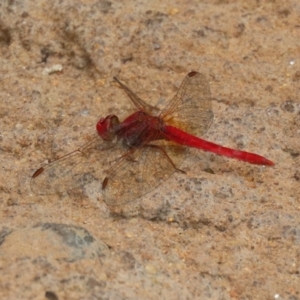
point(73, 170)
point(137, 101)
point(191, 108)
point(141, 171)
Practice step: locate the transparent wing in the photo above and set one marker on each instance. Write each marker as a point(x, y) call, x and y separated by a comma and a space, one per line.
point(137, 101)
point(141, 171)
point(129, 173)
point(191, 108)
point(82, 166)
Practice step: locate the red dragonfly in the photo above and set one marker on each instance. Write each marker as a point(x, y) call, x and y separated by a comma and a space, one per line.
point(130, 158)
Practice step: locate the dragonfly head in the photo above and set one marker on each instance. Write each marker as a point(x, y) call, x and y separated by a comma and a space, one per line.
point(106, 127)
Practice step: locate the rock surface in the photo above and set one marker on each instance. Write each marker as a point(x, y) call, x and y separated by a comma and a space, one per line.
point(225, 229)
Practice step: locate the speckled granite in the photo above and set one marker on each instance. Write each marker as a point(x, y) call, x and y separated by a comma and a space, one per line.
point(225, 229)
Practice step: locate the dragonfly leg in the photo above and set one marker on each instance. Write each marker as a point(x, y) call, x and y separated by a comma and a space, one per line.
point(167, 156)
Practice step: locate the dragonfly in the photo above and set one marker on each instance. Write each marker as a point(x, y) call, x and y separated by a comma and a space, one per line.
point(129, 159)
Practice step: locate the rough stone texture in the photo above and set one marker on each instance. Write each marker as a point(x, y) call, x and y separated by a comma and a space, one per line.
point(226, 229)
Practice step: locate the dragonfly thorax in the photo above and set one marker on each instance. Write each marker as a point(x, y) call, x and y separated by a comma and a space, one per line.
point(139, 129)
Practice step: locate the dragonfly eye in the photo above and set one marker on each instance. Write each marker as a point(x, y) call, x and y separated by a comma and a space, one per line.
point(114, 121)
point(106, 127)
